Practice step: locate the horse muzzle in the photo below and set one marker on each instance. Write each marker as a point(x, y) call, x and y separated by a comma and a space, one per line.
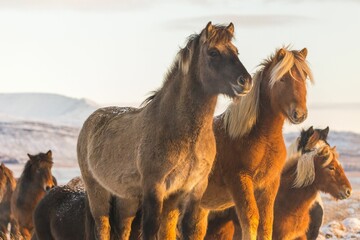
point(242, 87)
point(345, 193)
point(297, 116)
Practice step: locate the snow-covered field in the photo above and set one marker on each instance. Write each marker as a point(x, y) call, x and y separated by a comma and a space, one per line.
point(24, 129)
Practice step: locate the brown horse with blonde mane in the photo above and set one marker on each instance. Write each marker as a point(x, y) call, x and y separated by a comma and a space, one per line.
point(250, 147)
point(163, 151)
point(318, 170)
point(32, 185)
point(7, 187)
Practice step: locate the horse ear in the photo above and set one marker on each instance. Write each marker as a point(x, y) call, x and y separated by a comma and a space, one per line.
point(280, 54)
point(206, 32)
point(231, 28)
point(304, 52)
point(209, 28)
point(325, 132)
point(310, 131)
point(324, 153)
point(30, 156)
point(49, 154)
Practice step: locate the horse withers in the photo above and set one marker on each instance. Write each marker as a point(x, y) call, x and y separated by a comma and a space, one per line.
point(35, 180)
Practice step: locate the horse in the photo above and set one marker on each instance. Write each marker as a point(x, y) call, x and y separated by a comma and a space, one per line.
point(318, 170)
point(35, 180)
point(164, 150)
point(250, 146)
point(224, 225)
point(64, 210)
point(7, 187)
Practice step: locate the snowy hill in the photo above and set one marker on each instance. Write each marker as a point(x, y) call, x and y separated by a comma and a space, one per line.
point(19, 138)
point(43, 107)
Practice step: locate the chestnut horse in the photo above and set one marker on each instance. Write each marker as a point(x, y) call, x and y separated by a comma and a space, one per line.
point(165, 149)
point(318, 170)
point(7, 187)
point(224, 225)
point(32, 185)
point(250, 147)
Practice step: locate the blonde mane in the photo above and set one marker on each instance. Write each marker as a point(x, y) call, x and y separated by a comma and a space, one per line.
point(241, 115)
point(305, 169)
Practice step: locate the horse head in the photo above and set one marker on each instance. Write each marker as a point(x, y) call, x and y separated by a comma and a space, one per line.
point(41, 165)
point(329, 174)
point(218, 66)
point(288, 71)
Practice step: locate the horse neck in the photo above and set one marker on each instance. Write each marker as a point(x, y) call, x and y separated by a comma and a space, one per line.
point(191, 108)
point(296, 201)
point(29, 186)
point(270, 120)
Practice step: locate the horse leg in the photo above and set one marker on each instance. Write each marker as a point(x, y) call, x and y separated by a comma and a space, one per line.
point(169, 218)
point(14, 230)
point(125, 211)
point(242, 193)
point(99, 203)
point(152, 209)
point(26, 233)
point(265, 202)
point(220, 227)
point(194, 221)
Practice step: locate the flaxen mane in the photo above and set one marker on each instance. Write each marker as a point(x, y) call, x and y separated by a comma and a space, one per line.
point(305, 170)
point(242, 115)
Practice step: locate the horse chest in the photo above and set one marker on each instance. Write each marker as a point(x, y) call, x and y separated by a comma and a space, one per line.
point(270, 166)
point(188, 172)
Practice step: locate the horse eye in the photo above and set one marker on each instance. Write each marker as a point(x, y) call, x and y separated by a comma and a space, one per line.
point(214, 53)
point(331, 168)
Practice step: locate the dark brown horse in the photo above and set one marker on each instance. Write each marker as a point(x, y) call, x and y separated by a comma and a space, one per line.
point(163, 151)
point(250, 147)
point(7, 187)
point(32, 185)
point(62, 213)
point(224, 224)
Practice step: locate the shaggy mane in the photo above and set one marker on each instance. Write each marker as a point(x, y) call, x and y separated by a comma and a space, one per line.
point(241, 116)
point(305, 169)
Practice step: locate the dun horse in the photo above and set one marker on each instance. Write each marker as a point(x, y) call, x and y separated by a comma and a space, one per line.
point(32, 185)
point(224, 225)
point(250, 146)
point(7, 187)
point(166, 148)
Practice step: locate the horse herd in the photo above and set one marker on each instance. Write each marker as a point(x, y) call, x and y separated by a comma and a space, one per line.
point(170, 170)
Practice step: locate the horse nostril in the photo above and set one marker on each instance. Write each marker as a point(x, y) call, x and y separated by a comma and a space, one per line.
point(242, 80)
point(348, 192)
point(295, 115)
point(47, 188)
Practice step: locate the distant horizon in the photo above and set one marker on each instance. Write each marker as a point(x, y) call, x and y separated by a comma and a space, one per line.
point(221, 98)
point(73, 110)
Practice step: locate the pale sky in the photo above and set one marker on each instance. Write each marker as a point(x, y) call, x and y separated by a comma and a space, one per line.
point(118, 51)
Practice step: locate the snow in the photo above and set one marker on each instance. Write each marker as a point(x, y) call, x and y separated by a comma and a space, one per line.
point(346, 229)
point(44, 107)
